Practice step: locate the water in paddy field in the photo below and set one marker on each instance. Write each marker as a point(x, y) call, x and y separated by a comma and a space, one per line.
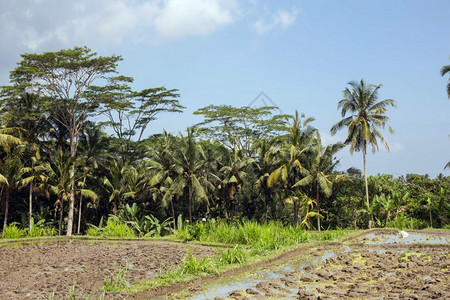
point(250, 279)
point(412, 238)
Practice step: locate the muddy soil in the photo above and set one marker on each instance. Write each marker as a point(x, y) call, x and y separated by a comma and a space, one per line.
point(44, 270)
point(377, 265)
point(415, 273)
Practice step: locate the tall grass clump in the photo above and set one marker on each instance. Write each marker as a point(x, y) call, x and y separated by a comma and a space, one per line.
point(260, 236)
point(232, 256)
point(194, 265)
point(115, 228)
point(12, 231)
point(117, 280)
point(40, 229)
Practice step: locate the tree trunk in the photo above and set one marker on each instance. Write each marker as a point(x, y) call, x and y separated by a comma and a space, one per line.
point(5, 221)
point(190, 204)
point(73, 153)
point(173, 214)
point(60, 216)
point(367, 185)
point(80, 207)
point(431, 219)
point(31, 204)
point(318, 208)
point(295, 213)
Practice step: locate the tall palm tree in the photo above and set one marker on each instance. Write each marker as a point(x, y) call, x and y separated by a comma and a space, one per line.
point(189, 160)
point(367, 115)
point(34, 173)
point(318, 170)
point(292, 154)
point(233, 175)
point(10, 168)
point(445, 70)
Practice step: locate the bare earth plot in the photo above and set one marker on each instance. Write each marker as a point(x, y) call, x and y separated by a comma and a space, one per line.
point(40, 270)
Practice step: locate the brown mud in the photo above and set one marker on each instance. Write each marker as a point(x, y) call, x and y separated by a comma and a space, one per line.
point(47, 270)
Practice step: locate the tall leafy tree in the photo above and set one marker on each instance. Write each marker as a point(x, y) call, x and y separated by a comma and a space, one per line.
point(130, 112)
point(62, 78)
point(240, 126)
point(366, 115)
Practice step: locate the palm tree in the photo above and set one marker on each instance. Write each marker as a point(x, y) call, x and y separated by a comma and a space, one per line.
point(116, 183)
point(93, 143)
point(292, 154)
point(60, 182)
point(318, 170)
point(161, 169)
point(445, 70)
point(189, 161)
point(35, 173)
point(367, 115)
point(233, 175)
point(10, 168)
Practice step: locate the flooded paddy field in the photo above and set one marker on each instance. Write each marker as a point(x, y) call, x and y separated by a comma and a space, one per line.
point(61, 268)
point(375, 265)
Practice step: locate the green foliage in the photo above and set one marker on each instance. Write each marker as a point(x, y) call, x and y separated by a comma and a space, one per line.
point(115, 228)
point(232, 256)
point(14, 232)
point(156, 228)
point(403, 222)
point(40, 229)
point(195, 266)
point(262, 237)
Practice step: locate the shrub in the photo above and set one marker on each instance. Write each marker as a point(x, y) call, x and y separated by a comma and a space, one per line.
point(14, 232)
point(115, 228)
point(232, 256)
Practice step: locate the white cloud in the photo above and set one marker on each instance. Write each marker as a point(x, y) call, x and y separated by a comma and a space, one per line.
point(47, 25)
point(282, 18)
point(181, 18)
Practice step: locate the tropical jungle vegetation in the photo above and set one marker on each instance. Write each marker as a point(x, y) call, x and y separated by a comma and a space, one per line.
point(75, 158)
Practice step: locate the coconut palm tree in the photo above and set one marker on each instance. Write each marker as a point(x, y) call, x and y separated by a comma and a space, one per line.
point(366, 116)
point(292, 154)
point(10, 168)
point(444, 71)
point(189, 160)
point(60, 182)
point(318, 170)
point(34, 173)
point(233, 175)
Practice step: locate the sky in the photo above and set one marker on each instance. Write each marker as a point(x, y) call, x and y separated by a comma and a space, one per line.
point(301, 54)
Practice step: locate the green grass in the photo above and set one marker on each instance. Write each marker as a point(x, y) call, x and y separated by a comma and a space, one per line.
point(262, 237)
point(117, 280)
point(114, 229)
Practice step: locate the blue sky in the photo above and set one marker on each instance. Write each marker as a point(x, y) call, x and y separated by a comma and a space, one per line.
point(301, 54)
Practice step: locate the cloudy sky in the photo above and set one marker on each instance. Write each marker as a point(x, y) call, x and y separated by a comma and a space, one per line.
point(301, 54)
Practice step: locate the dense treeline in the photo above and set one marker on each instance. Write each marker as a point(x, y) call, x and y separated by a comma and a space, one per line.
point(74, 152)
